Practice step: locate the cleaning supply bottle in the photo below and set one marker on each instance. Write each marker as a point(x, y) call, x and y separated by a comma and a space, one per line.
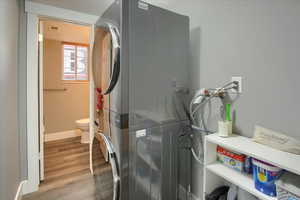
point(225, 127)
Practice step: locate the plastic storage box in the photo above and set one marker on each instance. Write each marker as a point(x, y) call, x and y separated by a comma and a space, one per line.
point(231, 159)
point(288, 187)
point(265, 175)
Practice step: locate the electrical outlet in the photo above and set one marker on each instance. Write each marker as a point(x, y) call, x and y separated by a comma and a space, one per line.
point(239, 80)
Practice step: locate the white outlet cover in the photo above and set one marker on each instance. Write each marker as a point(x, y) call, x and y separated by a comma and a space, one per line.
point(239, 80)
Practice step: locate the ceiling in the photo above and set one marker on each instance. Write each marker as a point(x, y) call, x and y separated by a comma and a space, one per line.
point(94, 7)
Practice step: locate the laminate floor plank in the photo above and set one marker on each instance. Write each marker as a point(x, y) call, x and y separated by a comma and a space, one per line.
point(67, 173)
point(72, 163)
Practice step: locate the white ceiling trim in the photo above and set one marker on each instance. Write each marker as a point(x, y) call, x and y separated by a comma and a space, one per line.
point(60, 13)
point(158, 2)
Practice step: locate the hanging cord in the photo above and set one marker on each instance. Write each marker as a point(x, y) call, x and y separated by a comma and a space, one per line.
point(214, 94)
point(199, 158)
point(202, 124)
point(196, 157)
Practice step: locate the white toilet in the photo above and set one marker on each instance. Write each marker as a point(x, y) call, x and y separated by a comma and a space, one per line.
point(84, 126)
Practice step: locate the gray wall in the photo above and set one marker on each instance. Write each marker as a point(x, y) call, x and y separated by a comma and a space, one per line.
point(258, 40)
point(22, 88)
point(9, 137)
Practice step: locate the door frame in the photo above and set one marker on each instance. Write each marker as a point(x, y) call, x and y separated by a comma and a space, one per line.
point(35, 11)
point(41, 99)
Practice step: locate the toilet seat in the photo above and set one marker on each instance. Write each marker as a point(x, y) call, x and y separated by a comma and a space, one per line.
point(84, 125)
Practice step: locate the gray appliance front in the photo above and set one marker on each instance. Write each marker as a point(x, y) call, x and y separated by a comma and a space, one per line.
point(120, 140)
point(158, 82)
point(158, 77)
point(152, 90)
point(155, 157)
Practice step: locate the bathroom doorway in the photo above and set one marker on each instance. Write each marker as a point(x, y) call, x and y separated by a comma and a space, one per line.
point(64, 90)
point(66, 145)
point(35, 120)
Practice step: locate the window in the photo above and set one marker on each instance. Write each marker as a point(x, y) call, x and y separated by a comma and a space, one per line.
point(75, 62)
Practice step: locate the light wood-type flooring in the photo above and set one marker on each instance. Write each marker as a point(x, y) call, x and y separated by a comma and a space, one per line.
point(67, 173)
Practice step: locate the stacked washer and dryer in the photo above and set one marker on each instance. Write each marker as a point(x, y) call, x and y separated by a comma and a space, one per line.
point(140, 62)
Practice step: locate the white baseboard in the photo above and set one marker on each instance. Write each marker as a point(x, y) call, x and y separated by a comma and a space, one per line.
point(183, 194)
point(62, 135)
point(19, 191)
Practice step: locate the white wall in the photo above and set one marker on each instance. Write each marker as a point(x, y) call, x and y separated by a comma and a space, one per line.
point(62, 108)
point(256, 39)
point(9, 137)
point(66, 32)
point(72, 104)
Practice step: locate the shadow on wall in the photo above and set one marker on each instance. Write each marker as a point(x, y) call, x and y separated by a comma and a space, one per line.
point(195, 56)
point(212, 110)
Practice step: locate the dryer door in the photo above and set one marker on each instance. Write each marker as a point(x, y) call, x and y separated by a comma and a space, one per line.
point(106, 58)
point(114, 166)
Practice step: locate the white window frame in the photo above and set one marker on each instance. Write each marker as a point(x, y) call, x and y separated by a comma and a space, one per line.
point(63, 67)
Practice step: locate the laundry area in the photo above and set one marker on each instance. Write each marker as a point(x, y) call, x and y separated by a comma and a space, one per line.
point(150, 100)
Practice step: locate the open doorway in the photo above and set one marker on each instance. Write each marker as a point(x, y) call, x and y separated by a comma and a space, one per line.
point(65, 79)
point(64, 95)
point(64, 111)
